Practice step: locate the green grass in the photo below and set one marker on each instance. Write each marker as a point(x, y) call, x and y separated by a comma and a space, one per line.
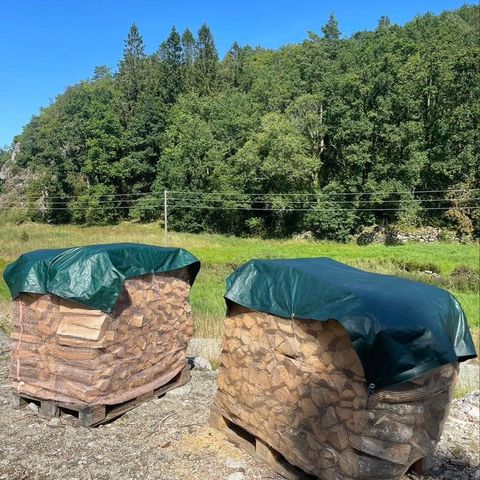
point(3, 287)
point(455, 266)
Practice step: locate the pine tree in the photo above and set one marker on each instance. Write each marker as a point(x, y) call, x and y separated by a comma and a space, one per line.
point(132, 66)
point(383, 22)
point(171, 74)
point(134, 50)
point(206, 61)
point(330, 29)
point(233, 65)
point(170, 50)
point(188, 60)
point(102, 71)
point(188, 48)
point(331, 35)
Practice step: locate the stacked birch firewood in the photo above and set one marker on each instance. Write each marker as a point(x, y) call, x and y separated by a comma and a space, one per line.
point(299, 387)
point(67, 352)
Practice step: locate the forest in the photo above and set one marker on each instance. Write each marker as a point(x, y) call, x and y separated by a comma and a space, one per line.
point(327, 136)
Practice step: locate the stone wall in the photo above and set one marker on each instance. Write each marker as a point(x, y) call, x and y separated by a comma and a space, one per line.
point(391, 236)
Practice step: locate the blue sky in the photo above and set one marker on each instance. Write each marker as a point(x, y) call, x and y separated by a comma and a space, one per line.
point(46, 45)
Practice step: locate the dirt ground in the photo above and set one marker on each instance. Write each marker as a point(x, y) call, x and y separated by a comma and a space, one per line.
point(169, 439)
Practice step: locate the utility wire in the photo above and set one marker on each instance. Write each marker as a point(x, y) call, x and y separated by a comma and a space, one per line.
point(333, 209)
point(240, 201)
point(325, 193)
point(159, 194)
point(200, 207)
point(336, 202)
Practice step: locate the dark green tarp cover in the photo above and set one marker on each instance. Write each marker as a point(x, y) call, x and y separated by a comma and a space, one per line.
point(93, 275)
point(400, 329)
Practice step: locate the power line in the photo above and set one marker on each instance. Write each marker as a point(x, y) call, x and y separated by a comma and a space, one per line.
point(337, 202)
point(242, 201)
point(159, 194)
point(383, 192)
point(200, 207)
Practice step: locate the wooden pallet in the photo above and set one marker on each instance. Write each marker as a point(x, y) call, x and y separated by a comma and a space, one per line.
point(256, 447)
point(424, 466)
point(274, 459)
point(98, 414)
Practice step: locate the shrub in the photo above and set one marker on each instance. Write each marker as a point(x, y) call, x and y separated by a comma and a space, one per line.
point(331, 225)
point(391, 236)
point(96, 207)
point(461, 222)
point(147, 209)
point(256, 226)
point(466, 278)
point(368, 235)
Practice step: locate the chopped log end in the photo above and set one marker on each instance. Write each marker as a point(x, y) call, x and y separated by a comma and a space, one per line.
point(69, 353)
point(299, 386)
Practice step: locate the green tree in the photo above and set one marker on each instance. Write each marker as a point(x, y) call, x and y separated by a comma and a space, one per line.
point(330, 29)
point(275, 159)
point(101, 72)
point(385, 111)
point(233, 66)
point(308, 114)
point(206, 62)
point(131, 71)
point(384, 22)
point(188, 60)
point(188, 48)
point(171, 71)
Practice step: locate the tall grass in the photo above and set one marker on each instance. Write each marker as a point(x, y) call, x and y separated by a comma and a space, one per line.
point(451, 266)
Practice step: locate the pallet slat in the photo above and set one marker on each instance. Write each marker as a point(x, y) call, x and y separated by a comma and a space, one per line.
point(256, 447)
point(95, 415)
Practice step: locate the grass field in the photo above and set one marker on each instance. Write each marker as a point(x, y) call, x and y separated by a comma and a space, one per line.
point(451, 266)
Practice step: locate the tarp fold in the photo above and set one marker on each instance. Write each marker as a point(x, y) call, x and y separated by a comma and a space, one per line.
point(93, 275)
point(399, 328)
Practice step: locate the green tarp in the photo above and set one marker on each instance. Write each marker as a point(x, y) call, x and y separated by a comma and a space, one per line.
point(400, 329)
point(93, 275)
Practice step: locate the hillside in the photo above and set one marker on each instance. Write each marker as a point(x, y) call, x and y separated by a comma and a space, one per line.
point(391, 112)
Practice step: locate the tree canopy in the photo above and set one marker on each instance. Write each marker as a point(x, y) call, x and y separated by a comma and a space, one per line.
point(390, 112)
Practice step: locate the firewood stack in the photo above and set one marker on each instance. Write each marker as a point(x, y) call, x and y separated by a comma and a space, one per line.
point(68, 352)
point(299, 386)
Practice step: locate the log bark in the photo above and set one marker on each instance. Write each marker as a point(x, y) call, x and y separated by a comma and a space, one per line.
point(66, 352)
point(299, 387)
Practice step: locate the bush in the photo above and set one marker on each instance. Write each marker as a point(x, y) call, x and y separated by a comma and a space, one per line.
point(446, 235)
point(466, 278)
point(331, 219)
point(411, 214)
point(368, 235)
point(147, 209)
point(256, 226)
point(461, 222)
point(331, 225)
point(475, 216)
point(13, 215)
point(96, 207)
point(391, 236)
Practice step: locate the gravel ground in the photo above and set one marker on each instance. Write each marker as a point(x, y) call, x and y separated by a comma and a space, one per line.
point(169, 439)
